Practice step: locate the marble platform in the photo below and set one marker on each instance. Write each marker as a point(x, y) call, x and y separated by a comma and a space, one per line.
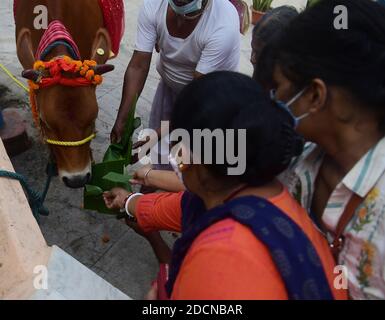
point(68, 279)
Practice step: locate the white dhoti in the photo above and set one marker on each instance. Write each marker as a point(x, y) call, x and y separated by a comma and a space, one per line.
point(161, 110)
point(162, 105)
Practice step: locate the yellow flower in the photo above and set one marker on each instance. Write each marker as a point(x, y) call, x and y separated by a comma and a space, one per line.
point(98, 79)
point(39, 65)
point(368, 270)
point(373, 195)
point(90, 63)
point(84, 70)
point(67, 59)
point(362, 213)
point(78, 65)
point(369, 249)
point(32, 85)
point(89, 75)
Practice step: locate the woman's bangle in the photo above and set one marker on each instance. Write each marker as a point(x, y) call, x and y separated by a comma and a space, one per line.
point(134, 195)
point(146, 174)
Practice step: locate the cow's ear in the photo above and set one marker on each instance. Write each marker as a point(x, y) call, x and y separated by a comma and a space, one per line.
point(101, 47)
point(24, 49)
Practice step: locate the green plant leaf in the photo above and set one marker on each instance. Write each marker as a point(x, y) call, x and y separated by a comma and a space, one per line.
point(110, 173)
point(93, 190)
point(262, 5)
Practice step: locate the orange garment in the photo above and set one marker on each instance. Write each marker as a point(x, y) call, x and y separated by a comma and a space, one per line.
point(226, 261)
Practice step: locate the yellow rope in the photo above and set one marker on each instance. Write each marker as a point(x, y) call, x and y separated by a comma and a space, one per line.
point(20, 84)
point(71, 143)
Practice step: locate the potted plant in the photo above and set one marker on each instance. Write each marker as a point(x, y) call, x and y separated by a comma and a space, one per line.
point(311, 3)
point(259, 8)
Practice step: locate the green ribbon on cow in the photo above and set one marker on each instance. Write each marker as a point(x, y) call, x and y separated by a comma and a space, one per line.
point(109, 173)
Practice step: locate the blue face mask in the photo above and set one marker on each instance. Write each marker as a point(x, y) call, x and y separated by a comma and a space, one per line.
point(193, 6)
point(286, 106)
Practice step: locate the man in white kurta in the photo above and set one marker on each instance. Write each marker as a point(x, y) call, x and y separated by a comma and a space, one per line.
point(189, 45)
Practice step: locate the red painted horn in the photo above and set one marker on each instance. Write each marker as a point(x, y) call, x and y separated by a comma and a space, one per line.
point(103, 68)
point(30, 74)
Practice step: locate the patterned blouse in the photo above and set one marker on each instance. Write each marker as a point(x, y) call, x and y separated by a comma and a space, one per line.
point(363, 254)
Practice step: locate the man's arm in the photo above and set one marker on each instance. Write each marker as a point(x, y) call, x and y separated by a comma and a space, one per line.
point(134, 80)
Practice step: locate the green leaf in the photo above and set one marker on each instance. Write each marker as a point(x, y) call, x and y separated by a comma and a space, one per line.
point(123, 149)
point(137, 123)
point(116, 180)
point(113, 153)
point(93, 190)
point(110, 173)
point(262, 5)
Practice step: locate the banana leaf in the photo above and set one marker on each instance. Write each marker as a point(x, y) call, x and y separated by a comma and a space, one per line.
point(93, 191)
point(109, 173)
point(123, 149)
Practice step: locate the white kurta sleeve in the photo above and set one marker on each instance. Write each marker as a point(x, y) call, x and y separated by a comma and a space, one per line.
point(146, 31)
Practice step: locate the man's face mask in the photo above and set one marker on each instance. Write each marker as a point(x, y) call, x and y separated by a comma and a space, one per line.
point(286, 106)
point(188, 7)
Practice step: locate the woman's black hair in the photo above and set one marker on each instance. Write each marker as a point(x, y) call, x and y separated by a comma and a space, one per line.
point(275, 20)
point(228, 100)
point(265, 34)
point(313, 46)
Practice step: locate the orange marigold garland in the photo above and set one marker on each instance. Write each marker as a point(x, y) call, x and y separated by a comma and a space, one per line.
point(55, 69)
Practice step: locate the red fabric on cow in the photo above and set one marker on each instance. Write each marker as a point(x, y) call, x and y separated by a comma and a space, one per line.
point(56, 31)
point(113, 13)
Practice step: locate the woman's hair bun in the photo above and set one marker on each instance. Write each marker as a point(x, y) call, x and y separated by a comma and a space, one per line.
point(229, 100)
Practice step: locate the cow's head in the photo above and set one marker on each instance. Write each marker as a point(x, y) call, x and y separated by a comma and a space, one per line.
point(67, 114)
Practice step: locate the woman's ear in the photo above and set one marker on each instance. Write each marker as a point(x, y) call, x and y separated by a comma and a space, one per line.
point(183, 167)
point(318, 93)
point(24, 49)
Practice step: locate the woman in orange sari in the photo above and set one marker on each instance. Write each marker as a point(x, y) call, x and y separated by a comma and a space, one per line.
point(243, 236)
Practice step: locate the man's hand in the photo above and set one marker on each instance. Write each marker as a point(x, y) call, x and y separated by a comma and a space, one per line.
point(117, 131)
point(115, 199)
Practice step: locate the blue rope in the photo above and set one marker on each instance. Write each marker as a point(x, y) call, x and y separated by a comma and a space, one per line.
point(57, 43)
point(35, 199)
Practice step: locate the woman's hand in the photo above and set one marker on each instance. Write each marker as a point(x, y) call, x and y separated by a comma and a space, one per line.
point(115, 199)
point(140, 178)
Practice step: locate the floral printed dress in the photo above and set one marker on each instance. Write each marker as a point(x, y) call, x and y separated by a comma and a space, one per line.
point(364, 252)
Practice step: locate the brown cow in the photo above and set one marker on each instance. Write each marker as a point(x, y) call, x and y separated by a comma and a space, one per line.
point(66, 113)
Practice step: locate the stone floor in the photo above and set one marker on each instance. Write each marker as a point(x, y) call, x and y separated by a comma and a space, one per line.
point(126, 261)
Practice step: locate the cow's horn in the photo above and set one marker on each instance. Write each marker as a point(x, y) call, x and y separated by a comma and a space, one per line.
point(103, 68)
point(31, 74)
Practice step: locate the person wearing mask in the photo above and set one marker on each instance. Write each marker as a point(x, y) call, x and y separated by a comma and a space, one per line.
point(193, 37)
point(265, 33)
point(332, 82)
point(248, 224)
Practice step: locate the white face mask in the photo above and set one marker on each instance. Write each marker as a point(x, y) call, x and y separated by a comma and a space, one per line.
point(189, 7)
point(286, 106)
